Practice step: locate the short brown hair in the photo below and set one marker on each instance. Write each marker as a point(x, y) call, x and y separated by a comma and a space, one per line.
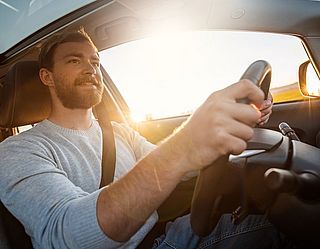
point(49, 47)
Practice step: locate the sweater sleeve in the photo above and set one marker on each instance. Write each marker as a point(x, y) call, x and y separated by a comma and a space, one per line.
point(54, 212)
point(140, 145)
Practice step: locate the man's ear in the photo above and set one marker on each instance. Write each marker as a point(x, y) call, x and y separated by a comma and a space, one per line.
point(46, 77)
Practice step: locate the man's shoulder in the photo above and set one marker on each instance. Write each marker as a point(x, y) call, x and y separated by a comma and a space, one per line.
point(29, 138)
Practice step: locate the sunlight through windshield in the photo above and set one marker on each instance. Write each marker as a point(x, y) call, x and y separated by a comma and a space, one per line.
point(171, 75)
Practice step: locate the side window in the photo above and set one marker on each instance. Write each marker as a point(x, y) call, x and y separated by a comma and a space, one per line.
point(172, 75)
point(24, 128)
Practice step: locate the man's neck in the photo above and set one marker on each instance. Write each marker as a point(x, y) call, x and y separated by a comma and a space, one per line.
point(77, 119)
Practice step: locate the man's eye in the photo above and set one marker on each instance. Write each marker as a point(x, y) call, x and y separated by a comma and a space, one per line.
point(74, 61)
point(97, 64)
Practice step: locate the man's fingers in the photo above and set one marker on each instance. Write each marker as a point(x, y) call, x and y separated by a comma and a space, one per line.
point(266, 105)
point(266, 111)
point(233, 145)
point(243, 113)
point(227, 143)
point(263, 120)
point(270, 98)
point(240, 130)
point(245, 89)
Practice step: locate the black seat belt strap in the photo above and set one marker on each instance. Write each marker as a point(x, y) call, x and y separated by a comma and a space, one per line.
point(108, 147)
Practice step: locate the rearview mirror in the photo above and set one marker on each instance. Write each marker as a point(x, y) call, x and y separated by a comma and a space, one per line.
point(309, 82)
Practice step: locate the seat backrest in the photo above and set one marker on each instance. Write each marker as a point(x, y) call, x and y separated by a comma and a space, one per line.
point(12, 232)
point(4, 243)
point(23, 100)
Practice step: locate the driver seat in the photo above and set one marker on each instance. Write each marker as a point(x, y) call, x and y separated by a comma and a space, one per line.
point(24, 100)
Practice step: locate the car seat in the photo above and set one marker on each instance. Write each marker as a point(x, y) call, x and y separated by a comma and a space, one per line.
point(23, 100)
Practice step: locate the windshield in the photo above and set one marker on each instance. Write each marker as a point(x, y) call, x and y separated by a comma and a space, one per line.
point(21, 18)
point(173, 74)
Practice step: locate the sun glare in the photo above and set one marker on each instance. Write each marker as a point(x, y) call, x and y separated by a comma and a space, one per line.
point(313, 83)
point(138, 116)
point(313, 88)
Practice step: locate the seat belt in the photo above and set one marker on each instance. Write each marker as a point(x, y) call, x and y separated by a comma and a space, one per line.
point(108, 147)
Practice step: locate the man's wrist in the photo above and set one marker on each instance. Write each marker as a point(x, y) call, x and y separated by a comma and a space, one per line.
point(174, 153)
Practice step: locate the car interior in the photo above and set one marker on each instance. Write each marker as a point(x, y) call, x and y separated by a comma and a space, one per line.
point(295, 210)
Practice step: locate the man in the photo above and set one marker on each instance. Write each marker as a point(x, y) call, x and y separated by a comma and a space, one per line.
point(50, 174)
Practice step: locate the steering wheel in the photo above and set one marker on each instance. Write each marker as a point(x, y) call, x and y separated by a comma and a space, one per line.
point(209, 193)
point(276, 175)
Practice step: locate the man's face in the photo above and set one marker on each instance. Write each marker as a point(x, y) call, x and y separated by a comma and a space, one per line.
point(77, 76)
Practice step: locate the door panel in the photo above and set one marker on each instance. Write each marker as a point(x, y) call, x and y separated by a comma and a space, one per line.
point(302, 116)
point(157, 130)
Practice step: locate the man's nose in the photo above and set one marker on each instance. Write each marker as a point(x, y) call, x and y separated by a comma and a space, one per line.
point(90, 68)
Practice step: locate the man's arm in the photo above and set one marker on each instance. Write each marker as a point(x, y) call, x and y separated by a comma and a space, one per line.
point(54, 212)
point(220, 126)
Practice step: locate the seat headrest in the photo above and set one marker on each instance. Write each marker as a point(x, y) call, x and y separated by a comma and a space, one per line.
point(23, 98)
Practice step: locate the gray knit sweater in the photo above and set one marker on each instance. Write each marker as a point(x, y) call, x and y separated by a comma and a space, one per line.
point(49, 180)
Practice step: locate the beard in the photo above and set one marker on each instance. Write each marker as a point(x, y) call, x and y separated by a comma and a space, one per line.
point(72, 96)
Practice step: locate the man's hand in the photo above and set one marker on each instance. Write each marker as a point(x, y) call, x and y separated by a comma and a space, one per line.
point(220, 126)
point(266, 110)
